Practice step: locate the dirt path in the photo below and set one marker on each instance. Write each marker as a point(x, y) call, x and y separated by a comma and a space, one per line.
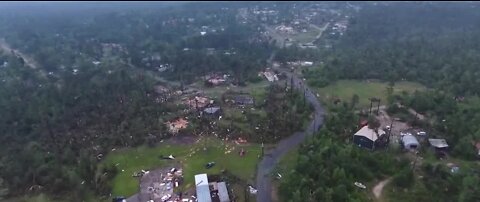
point(377, 190)
point(420, 116)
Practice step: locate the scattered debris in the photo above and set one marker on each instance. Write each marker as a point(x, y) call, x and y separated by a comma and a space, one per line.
point(360, 185)
point(176, 125)
point(252, 190)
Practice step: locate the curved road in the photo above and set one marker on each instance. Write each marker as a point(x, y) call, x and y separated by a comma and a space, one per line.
point(271, 157)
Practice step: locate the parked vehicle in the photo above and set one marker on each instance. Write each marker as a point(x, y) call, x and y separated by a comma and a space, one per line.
point(209, 165)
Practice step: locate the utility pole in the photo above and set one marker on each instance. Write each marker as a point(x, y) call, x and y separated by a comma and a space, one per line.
point(378, 105)
point(370, 111)
point(390, 132)
point(304, 95)
point(291, 84)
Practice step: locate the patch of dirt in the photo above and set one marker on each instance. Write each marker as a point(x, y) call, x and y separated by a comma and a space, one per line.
point(377, 190)
point(183, 139)
point(275, 191)
point(397, 126)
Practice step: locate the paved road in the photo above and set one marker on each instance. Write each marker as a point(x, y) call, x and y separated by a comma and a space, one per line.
point(271, 158)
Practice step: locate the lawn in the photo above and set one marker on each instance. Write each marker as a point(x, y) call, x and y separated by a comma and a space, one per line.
point(345, 89)
point(192, 157)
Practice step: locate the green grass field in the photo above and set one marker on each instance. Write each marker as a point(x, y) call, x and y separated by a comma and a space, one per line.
point(192, 157)
point(306, 37)
point(345, 89)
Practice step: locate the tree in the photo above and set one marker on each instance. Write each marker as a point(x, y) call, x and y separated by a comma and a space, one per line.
point(470, 190)
point(404, 178)
point(3, 189)
point(355, 100)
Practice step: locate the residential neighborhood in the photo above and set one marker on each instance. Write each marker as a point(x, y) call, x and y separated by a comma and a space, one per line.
point(239, 101)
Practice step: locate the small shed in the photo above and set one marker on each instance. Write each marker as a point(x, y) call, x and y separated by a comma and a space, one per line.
point(223, 192)
point(439, 144)
point(410, 142)
point(202, 188)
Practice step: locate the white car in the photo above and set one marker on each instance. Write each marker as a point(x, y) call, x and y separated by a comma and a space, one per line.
point(166, 197)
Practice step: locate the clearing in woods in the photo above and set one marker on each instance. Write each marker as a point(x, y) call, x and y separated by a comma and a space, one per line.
point(345, 89)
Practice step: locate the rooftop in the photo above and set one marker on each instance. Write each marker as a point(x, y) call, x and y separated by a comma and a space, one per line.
point(203, 191)
point(369, 133)
point(409, 140)
point(212, 110)
point(223, 192)
point(438, 143)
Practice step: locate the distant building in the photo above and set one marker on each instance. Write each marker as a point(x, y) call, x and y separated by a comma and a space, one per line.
point(212, 111)
point(306, 63)
point(214, 80)
point(270, 76)
point(368, 138)
point(244, 100)
point(203, 190)
point(197, 102)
